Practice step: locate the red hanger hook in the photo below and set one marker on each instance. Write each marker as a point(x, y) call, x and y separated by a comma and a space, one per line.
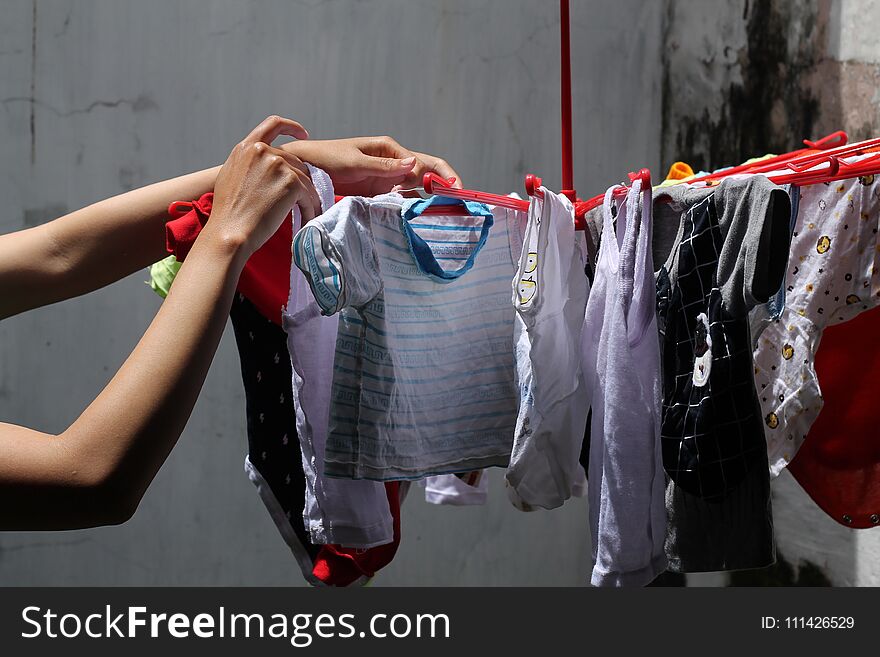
point(533, 183)
point(430, 179)
point(833, 165)
point(835, 139)
point(644, 175)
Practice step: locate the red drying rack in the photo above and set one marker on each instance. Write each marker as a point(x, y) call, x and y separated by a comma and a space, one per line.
point(803, 165)
point(804, 170)
point(833, 142)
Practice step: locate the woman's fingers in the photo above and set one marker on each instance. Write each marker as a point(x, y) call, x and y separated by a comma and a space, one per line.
point(425, 163)
point(385, 167)
point(274, 126)
point(392, 151)
point(305, 196)
point(289, 158)
point(439, 166)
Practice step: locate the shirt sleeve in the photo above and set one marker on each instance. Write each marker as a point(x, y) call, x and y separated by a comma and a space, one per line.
point(755, 215)
point(336, 253)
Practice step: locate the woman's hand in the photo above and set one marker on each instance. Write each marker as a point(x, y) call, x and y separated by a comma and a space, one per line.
point(258, 185)
point(366, 166)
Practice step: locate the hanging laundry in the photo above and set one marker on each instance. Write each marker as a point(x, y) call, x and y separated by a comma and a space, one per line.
point(279, 475)
point(423, 381)
point(839, 463)
point(621, 364)
point(592, 229)
point(354, 515)
point(763, 314)
point(274, 461)
point(351, 513)
point(343, 511)
point(549, 294)
point(260, 360)
point(729, 255)
point(465, 489)
point(833, 275)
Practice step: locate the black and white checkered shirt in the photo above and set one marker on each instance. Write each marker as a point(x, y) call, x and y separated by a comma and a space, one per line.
point(711, 431)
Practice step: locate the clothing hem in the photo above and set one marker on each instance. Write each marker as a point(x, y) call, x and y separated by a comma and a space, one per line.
point(676, 567)
point(641, 577)
point(360, 538)
point(282, 522)
point(521, 494)
point(357, 471)
point(433, 497)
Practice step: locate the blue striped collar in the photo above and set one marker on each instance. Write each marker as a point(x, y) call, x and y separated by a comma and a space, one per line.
point(421, 252)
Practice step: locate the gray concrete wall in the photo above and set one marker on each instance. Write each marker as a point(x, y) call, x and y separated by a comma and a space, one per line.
point(100, 96)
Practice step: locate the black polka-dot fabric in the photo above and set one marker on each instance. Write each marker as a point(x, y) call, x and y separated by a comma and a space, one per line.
point(274, 461)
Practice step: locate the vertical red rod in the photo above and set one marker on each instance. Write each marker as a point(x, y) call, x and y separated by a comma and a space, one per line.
point(565, 84)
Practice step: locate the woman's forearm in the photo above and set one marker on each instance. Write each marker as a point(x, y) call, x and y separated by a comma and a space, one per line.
point(97, 470)
point(92, 247)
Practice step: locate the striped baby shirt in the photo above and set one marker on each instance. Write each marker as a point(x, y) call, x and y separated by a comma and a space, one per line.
point(423, 376)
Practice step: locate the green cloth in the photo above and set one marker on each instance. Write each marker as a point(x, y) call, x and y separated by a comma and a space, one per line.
point(162, 275)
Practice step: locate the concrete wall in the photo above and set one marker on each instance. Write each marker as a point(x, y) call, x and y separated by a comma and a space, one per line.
point(100, 96)
point(747, 77)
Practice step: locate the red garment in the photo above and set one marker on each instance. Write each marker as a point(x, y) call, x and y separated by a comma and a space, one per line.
point(839, 462)
point(339, 566)
point(265, 280)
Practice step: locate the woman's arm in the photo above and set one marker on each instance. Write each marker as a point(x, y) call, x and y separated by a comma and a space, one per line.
point(96, 471)
point(92, 247)
point(99, 244)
